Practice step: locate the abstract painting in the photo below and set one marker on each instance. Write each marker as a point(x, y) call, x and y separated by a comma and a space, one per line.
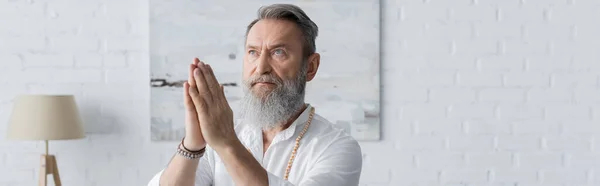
point(346, 90)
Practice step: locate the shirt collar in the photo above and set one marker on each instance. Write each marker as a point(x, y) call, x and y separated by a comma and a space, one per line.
point(291, 130)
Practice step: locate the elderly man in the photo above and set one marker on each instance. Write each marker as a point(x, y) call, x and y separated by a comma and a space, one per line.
point(279, 140)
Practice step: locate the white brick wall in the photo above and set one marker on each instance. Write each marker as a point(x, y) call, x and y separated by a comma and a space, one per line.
point(474, 92)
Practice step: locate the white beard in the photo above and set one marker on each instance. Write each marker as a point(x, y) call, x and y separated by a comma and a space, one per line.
point(276, 107)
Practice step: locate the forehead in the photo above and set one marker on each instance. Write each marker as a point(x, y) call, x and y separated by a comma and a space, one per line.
point(268, 31)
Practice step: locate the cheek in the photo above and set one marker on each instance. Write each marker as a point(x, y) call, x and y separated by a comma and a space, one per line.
point(285, 73)
point(245, 68)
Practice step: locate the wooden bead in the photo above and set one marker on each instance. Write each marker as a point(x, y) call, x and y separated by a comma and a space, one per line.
point(293, 156)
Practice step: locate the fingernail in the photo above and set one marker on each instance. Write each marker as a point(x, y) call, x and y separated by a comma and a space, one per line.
point(196, 72)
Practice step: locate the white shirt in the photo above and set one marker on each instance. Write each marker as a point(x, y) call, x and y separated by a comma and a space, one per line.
point(327, 156)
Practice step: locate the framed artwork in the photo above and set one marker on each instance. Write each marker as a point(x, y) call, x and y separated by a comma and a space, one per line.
point(346, 90)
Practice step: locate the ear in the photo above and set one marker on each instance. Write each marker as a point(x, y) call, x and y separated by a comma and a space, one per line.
point(313, 65)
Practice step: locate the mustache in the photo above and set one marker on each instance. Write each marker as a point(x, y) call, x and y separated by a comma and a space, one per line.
point(264, 78)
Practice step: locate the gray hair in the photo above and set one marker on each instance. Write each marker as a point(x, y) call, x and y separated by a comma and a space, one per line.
point(295, 14)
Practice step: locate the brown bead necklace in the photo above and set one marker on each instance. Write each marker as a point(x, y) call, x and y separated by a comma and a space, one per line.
point(289, 166)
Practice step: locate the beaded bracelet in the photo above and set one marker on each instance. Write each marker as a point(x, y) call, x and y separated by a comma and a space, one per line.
point(192, 151)
point(189, 154)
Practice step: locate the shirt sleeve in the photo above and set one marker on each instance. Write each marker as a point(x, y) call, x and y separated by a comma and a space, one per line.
point(339, 165)
point(204, 172)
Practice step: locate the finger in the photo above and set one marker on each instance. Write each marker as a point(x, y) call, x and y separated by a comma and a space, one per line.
point(211, 80)
point(191, 80)
point(199, 102)
point(193, 66)
point(187, 99)
point(223, 93)
point(196, 61)
point(201, 86)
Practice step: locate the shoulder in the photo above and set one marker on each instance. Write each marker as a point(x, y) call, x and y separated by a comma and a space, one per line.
point(332, 138)
point(335, 152)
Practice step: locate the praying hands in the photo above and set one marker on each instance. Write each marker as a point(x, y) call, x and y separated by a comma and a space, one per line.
point(209, 118)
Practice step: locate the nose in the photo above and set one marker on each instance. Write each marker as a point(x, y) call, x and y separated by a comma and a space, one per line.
point(263, 65)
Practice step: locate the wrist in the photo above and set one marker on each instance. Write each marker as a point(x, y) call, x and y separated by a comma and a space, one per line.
point(192, 145)
point(190, 154)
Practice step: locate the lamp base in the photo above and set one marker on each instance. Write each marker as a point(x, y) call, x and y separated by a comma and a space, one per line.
point(48, 166)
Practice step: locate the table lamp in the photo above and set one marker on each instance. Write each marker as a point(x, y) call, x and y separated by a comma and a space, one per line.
point(45, 117)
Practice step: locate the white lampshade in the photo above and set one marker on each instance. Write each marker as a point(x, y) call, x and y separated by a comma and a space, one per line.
point(45, 117)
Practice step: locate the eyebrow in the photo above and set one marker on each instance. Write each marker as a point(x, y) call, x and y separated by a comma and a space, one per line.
point(278, 45)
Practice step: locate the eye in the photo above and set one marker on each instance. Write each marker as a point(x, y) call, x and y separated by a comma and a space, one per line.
point(252, 52)
point(279, 52)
